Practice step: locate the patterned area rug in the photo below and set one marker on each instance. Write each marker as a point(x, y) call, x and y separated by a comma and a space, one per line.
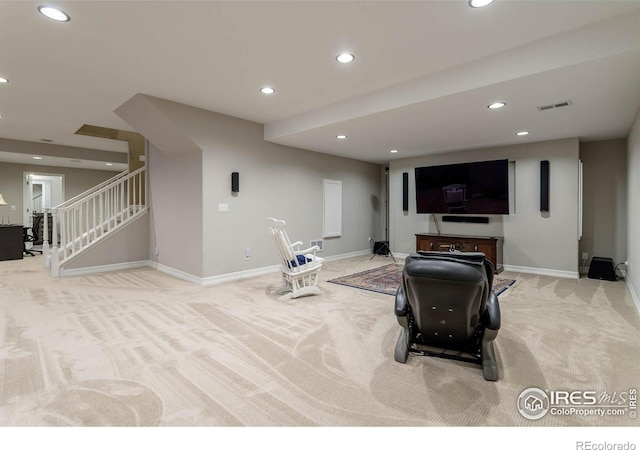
point(386, 279)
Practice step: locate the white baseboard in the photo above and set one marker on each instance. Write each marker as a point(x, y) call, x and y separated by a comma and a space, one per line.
point(104, 268)
point(206, 281)
point(348, 255)
point(541, 271)
point(175, 272)
point(272, 269)
point(634, 295)
point(216, 279)
point(524, 269)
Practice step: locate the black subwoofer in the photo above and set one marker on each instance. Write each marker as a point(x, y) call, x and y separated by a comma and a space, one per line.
point(602, 269)
point(381, 248)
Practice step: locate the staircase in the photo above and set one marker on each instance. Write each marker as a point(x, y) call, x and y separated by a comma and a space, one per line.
point(90, 217)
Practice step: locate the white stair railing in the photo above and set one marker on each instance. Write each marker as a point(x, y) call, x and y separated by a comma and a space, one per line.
point(97, 187)
point(92, 215)
point(46, 260)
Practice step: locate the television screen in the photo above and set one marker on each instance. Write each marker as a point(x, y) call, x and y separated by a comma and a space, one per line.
point(469, 188)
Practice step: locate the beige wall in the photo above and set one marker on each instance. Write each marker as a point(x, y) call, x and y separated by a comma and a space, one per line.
point(76, 181)
point(604, 231)
point(281, 182)
point(633, 208)
point(534, 241)
point(127, 245)
point(191, 157)
point(175, 200)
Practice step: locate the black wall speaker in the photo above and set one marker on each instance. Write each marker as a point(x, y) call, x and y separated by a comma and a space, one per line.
point(544, 186)
point(235, 182)
point(405, 191)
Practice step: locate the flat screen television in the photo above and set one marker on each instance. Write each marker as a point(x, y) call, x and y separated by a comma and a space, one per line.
point(468, 188)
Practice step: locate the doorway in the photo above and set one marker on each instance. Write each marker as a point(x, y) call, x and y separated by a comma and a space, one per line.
point(41, 191)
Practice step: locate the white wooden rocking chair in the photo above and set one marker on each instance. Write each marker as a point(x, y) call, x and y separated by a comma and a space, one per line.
point(299, 268)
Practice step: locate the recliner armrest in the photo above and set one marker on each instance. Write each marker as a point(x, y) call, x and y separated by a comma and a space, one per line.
point(402, 305)
point(402, 308)
point(491, 316)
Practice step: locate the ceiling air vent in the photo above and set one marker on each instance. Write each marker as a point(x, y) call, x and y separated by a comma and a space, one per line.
point(554, 106)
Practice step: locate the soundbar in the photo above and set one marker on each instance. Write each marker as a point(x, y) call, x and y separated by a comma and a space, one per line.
point(466, 219)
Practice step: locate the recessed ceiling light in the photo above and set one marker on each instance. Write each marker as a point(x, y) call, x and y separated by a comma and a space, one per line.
point(393, 151)
point(75, 160)
point(54, 13)
point(341, 136)
point(479, 3)
point(496, 105)
point(108, 164)
point(522, 133)
point(37, 157)
point(3, 80)
point(267, 90)
point(345, 58)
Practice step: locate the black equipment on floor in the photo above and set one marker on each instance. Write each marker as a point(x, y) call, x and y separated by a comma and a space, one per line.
point(382, 248)
point(602, 269)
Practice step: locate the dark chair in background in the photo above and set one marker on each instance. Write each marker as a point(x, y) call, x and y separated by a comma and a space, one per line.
point(455, 196)
point(33, 235)
point(446, 308)
point(38, 228)
point(28, 238)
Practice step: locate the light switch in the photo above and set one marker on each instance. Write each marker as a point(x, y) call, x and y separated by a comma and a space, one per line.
point(13, 207)
point(223, 207)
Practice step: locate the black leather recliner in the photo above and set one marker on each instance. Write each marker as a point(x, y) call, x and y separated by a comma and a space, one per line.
point(446, 308)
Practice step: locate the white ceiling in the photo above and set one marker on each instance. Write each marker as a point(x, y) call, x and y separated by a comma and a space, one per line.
point(423, 75)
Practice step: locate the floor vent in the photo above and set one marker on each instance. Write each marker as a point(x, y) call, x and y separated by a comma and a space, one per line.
point(554, 106)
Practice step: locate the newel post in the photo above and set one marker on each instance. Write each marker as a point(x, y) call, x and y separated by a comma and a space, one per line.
point(46, 260)
point(55, 256)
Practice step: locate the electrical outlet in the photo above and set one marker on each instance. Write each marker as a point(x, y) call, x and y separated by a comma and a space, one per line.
point(247, 254)
point(585, 255)
point(157, 251)
point(370, 239)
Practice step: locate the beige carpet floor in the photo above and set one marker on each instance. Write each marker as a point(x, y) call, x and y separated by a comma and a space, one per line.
point(140, 347)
